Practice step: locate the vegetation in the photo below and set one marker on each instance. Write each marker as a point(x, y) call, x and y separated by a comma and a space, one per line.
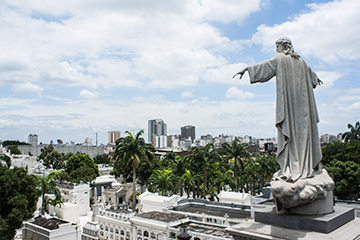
point(18, 199)
point(353, 134)
point(80, 168)
point(130, 151)
point(51, 158)
point(47, 185)
point(237, 152)
point(207, 171)
point(342, 160)
point(14, 149)
point(102, 159)
point(13, 143)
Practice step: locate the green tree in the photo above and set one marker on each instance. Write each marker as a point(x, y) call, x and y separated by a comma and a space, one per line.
point(47, 185)
point(13, 142)
point(342, 160)
point(131, 151)
point(204, 157)
point(161, 180)
point(6, 159)
point(353, 134)
point(102, 159)
point(18, 199)
point(80, 168)
point(51, 158)
point(267, 167)
point(188, 181)
point(14, 149)
point(236, 151)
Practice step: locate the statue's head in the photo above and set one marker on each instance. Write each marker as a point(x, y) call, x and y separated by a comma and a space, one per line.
point(284, 45)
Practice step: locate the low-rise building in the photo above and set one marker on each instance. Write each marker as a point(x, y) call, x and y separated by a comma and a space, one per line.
point(50, 229)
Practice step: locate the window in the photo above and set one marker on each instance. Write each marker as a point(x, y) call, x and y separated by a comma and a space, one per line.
point(146, 234)
point(173, 235)
point(116, 231)
point(106, 228)
point(139, 233)
point(111, 230)
point(102, 227)
point(153, 235)
point(122, 232)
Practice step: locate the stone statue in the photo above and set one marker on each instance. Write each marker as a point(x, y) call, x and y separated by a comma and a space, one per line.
point(301, 179)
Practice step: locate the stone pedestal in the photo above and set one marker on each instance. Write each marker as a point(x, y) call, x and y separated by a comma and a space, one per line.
point(318, 223)
point(339, 225)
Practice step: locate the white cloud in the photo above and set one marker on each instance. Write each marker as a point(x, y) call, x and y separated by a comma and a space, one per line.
point(27, 88)
point(187, 94)
point(157, 45)
point(89, 95)
point(235, 93)
point(327, 31)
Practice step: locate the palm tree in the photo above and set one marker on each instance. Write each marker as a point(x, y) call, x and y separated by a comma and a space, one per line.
point(188, 181)
point(353, 134)
point(204, 157)
point(47, 185)
point(236, 151)
point(161, 180)
point(130, 151)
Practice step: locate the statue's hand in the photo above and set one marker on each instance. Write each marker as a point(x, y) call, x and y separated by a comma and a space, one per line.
point(241, 73)
point(319, 81)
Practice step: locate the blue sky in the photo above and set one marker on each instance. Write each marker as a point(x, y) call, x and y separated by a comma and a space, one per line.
point(71, 69)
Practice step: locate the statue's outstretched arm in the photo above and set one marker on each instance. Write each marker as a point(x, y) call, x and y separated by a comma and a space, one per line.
point(319, 81)
point(241, 73)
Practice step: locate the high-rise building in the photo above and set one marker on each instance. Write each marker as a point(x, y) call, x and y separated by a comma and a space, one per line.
point(188, 131)
point(33, 139)
point(156, 127)
point(113, 136)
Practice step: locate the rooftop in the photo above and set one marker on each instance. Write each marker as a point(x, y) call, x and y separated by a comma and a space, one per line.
point(214, 213)
point(160, 216)
point(210, 230)
point(51, 223)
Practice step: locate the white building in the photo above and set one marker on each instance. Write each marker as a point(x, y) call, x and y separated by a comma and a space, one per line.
point(161, 141)
point(50, 229)
point(33, 139)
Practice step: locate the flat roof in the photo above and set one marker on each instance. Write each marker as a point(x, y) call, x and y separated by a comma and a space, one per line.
point(161, 216)
point(51, 223)
point(207, 229)
point(214, 213)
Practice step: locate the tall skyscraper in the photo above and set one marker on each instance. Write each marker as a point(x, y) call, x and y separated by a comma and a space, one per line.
point(33, 139)
point(156, 127)
point(113, 136)
point(188, 131)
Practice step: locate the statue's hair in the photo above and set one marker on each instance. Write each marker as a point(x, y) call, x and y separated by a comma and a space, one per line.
point(289, 48)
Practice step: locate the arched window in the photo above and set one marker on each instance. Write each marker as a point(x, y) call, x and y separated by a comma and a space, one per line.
point(128, 234)
point(146, 234)
point(122, 232)
point(153, 235)
point(106, 228)
point(102, 227)
point(111, 230)
point(139, 232)
point(116, 231)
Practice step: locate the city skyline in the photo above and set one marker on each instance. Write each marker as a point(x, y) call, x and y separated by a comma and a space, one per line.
point(69, 70)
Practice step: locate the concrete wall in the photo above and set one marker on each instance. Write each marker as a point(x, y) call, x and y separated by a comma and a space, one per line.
point(93, 151)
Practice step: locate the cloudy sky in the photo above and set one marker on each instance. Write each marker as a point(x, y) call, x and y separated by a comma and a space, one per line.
point(71, 69)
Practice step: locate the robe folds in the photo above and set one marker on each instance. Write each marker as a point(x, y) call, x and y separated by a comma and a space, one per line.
point(298, 140)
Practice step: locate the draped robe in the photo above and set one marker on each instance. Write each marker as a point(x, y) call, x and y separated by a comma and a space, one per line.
point(298, 140)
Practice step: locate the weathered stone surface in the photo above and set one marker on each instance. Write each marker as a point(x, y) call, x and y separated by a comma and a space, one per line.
point(319, 223)
point(304, 191)
point(254, 230)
